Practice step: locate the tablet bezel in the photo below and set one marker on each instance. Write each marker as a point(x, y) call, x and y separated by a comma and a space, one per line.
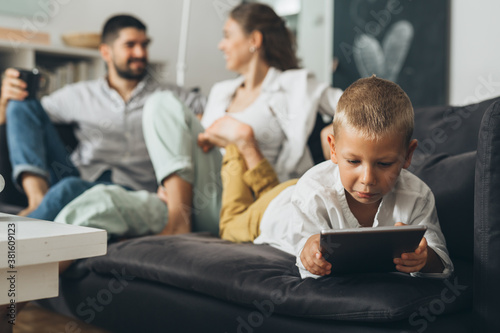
point(367, 250)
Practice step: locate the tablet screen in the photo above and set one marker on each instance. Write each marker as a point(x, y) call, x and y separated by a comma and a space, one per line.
point(368, 249)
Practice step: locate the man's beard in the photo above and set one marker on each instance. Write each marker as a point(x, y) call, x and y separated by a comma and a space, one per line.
point(127, 73)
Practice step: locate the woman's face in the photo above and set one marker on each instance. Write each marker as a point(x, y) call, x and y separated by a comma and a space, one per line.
point(236, 47)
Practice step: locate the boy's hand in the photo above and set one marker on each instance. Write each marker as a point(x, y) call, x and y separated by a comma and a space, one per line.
point(414, 261)
point(312, 258)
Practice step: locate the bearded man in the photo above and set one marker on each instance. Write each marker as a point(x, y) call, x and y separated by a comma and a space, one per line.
point(107, 114)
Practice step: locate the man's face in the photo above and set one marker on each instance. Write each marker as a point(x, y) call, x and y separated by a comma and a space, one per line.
point(128, 54)
point(369, 168)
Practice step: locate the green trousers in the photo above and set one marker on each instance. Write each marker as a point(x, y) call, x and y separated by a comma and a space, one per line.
point(170, 131)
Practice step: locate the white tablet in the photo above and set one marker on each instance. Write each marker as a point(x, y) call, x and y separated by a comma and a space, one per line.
point(368, 249)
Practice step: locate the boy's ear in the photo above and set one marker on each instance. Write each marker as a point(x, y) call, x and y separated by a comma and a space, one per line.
point(333, 153)
point(409, 153)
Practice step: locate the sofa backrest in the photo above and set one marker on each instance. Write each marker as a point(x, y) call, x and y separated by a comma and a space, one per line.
point(446, 160)
point(487, 224)
point(450, 130)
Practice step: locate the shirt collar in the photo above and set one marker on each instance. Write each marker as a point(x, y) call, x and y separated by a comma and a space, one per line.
point(270, 82)
point(141, 86)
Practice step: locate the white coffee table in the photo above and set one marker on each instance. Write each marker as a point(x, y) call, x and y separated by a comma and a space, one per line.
point(30, 251)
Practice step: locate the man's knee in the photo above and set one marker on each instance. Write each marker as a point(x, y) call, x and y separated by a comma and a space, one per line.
point(14, 108)
point(163, 104)
point(21, 109)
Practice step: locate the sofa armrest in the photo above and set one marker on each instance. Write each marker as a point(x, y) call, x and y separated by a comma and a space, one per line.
point(487, 223)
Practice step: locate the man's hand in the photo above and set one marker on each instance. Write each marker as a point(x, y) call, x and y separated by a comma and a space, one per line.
point(312, 258)
point(12, 88)
point(414, 261)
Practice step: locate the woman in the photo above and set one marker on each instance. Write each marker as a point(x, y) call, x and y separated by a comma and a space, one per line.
point(272, 106)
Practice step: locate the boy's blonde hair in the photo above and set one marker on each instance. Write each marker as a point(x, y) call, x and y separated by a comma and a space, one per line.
point(375, 107)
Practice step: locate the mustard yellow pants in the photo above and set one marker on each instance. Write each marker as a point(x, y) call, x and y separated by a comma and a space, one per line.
point(245, 196)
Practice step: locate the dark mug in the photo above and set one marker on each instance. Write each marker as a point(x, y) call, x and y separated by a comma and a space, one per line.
point(35, 81)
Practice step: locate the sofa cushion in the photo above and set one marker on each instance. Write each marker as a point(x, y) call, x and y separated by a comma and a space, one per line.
point(262, 277)
point(451, 179)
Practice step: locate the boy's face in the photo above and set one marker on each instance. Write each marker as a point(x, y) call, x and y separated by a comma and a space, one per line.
point(369, 169)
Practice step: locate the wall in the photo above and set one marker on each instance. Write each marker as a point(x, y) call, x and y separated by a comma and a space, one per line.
point(314, 25)
point(316, 19)
point(163, 17)
point(475, 51)
point(474, 45)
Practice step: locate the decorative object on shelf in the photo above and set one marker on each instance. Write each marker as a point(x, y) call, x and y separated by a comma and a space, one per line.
point(16, 36)
point(82, 39)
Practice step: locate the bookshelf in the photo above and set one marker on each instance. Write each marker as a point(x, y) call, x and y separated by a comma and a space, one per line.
point(61, 64)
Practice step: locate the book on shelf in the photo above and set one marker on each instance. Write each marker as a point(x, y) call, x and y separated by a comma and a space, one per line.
point(67, 73)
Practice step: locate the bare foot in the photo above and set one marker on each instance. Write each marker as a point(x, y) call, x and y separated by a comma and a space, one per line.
point(224, 131)
point(35, 188)
point(63, 265)
point(162, 194)
point(179, 205)
point(8, 314)
point(26, 211)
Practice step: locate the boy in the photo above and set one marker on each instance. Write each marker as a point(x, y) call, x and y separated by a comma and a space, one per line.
point(365, 186)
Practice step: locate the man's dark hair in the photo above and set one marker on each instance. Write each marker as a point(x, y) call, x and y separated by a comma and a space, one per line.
point(116, 23)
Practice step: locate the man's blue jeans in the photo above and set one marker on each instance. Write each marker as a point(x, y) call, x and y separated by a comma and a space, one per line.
point(35, 147)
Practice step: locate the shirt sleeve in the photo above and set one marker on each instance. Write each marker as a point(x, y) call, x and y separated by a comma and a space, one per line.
point(193, 99)
point(310, 214)
point(426, 214)
point(58, 105)
point(329, 100)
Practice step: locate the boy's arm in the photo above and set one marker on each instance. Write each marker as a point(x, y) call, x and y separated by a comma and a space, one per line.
point(310, 214)
point(440, 265)
point(312, 259)
point(424, 260)
point(306, 224)
point(434, 263)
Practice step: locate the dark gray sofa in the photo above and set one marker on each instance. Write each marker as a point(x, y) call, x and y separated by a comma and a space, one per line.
point(199, 283)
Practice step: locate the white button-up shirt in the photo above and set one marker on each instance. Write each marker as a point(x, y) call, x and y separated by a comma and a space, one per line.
point(318, 202)
point(109, 129)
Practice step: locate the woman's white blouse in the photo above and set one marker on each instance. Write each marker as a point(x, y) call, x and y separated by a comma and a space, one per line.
point(282, 117)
